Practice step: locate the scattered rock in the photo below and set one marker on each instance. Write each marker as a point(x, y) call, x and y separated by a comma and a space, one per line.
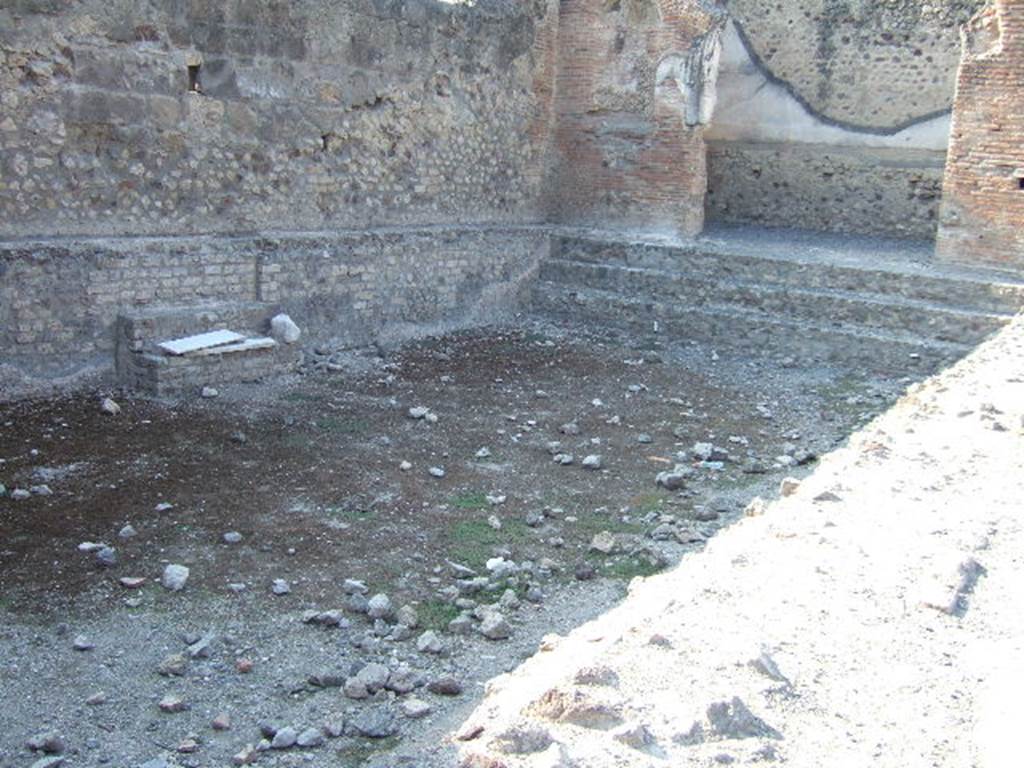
point(375, 723)
point(172, 704)
point(96, 699)
point(354, 587)
point(280, 587)
point(415, 708)
point(285, 738)
point(174, 577)
point(403, 680)
point(245, 756)
point(48, 743)
point(756, 507)
point(107, 557)
point(437, 472)
point(592, 462)
point(310, 738)
point(445, 686)
point(734, 720)
point(109, 407)
point(494, 627)
point(407, 617)
point(675, 479)
point(221, 722)
point(429, 642)
point(584, 571)
point(604, 542)
point(209, 392)
point(636, 735)
point(283, 328)
point(232, 537)
point(789, 486)
point(174, 665)
point(82, 643)
point(200, 649)
point(379, 607)
point(127, 532)
point(522, 740)
point(766, 665)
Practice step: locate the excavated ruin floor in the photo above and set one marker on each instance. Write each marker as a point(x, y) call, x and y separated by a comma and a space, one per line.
point(872, 616)
point(309, 470)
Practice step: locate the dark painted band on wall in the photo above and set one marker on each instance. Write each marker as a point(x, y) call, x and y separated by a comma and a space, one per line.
point(874, 130)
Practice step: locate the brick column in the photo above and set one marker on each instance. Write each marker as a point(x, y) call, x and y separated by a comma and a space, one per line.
point(628, 156)
point(982, 214)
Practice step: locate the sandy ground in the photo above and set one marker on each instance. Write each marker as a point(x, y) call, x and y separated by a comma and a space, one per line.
point(873, 617)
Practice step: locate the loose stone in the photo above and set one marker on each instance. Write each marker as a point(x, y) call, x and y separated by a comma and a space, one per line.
point(175, 577)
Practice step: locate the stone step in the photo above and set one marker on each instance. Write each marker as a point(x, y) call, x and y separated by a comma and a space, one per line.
point(923, 318)
point(747, 329)
point(809, 267)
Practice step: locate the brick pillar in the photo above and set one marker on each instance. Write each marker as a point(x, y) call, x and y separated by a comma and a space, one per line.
point(982, 214)
point(628, 153)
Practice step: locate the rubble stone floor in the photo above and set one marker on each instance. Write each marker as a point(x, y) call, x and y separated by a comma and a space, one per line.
point(326, 477)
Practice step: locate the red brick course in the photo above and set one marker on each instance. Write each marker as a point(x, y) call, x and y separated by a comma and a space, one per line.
point(982, 219)
point(635, 164)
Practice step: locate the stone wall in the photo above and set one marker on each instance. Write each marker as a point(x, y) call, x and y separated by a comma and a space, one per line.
point(868, 190)
point(859, 63)
point(365, 164)
point(59, 301)
point(834, 115)
point(194, 116)
point(633, 87)
point(982, 217)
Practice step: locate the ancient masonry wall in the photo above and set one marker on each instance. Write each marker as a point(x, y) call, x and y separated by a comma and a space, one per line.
point(834, 116)
point(983, 204)
point(58, 302)
point(631, 98)
point(127, 128)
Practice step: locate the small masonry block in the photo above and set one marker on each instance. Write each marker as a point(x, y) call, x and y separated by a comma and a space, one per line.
point(202, 341)
point(245, 345)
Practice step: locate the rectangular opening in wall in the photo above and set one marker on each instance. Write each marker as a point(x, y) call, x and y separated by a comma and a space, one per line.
point(1020, 182)
point(193, 78)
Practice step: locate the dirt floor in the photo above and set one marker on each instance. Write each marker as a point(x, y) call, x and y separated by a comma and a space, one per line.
point(872, 616)
point(326, 476)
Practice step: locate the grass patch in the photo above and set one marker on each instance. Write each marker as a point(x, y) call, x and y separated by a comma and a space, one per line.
point(473, 541)
point(624, 567)
point(436, 614)
point(350, 515)
point(646, 503)
point(589, 523)
point(471, 500)
point(358, 754)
